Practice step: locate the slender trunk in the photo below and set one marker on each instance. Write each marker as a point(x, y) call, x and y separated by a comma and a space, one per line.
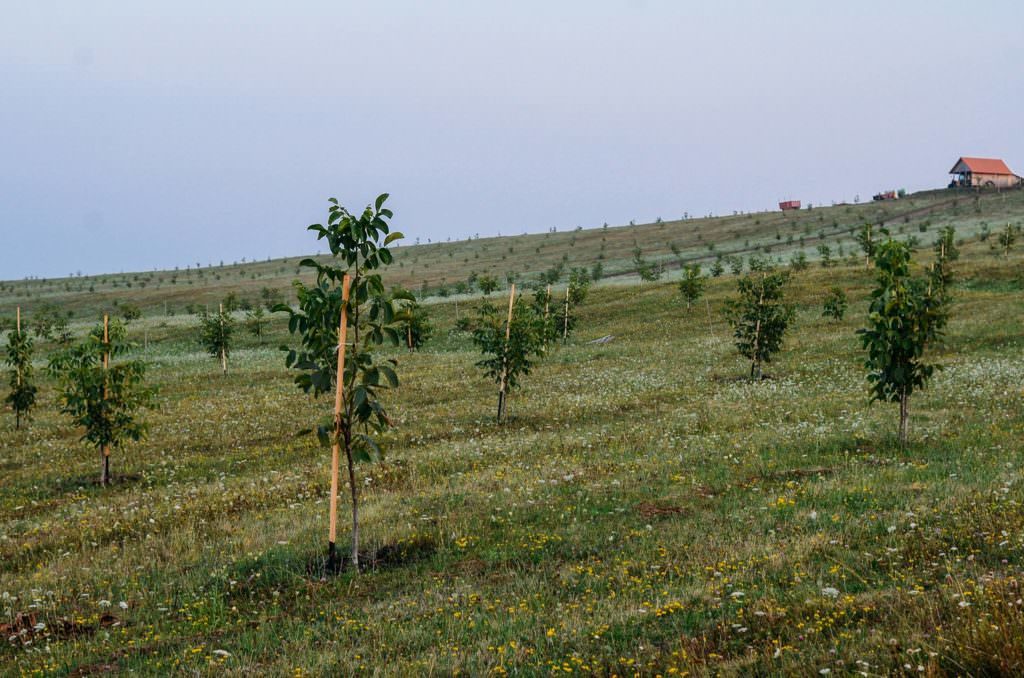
point(355, 500)
point(501, 402)
point(17, 419)
point(105, 473)
point(904, 416)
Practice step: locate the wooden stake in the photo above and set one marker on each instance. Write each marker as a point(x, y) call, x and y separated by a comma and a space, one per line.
point(223, 352)
point(565, 323)
point(338, 401)
point(18, 332)
point(504, 367)
point(105, 475)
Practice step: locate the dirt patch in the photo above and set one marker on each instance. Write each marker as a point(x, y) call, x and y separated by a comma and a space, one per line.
point(386, 557)
point(26, 626)
point(651, 509)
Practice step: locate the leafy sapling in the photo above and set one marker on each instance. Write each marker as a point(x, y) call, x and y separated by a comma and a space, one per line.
point(511, 343)
point(215, 333)
point(835, 304)
point(906, 317)
point(101, 398)
point(760, 317)
point(22, 397)
point(692, 284)
point(256, 322)
point(348, 298)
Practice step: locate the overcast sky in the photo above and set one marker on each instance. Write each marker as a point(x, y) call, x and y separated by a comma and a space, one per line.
point(143, 134)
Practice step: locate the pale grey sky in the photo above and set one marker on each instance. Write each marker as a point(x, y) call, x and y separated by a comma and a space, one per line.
point(135, 135)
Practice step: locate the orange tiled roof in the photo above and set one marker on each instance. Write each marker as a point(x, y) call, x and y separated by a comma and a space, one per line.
point(983, 166)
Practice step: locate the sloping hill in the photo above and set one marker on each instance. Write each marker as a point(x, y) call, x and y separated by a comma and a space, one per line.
point(438, 268)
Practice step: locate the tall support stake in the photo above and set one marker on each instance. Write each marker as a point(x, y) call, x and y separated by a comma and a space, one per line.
point(332, 549)
point(503, 385)
point(565, 320)
point(223, 348)
point(17, 412)
point(105, 449)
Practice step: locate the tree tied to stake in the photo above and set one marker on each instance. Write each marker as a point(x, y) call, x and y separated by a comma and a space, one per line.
point(216, 331)
point(760, 317)
point(361, 244)
point(103, 399)
point(510, 341)
point(22, 397)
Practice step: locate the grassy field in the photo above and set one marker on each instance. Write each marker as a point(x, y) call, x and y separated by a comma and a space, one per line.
point(646, 511)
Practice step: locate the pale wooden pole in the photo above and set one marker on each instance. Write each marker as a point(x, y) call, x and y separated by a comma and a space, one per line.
point(18, 333)
point(105, 476)
point(565, 320)
point(504, 368)
point(332, 549)
point(223, 351)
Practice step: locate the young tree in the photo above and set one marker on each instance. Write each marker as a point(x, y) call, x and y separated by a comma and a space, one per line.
point(256, 321)
point(798, 262)
point(51, 323)
point(511, 342)
point(867, 237)
point(348, 301)
point(215, 333)
point(579, 285)
point(1006, 239)
point(22, 397)
point(906, 316)
point(413, 319)
point(760, 317)
point(487, 284)
point(130, 312)
point(826, 255)
point(692, 284)
point(835, 304)
point(103, 399)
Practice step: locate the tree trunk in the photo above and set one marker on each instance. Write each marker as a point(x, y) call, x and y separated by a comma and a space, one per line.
point(105, 470)
point(904, 416)
point(501, 403)
point(355, 501)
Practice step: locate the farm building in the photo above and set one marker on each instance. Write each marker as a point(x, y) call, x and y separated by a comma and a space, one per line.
point(983, 172)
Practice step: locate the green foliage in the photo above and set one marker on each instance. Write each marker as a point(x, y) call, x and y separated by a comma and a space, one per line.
point(22, 397)
point(835, 304)
point(413, 319)
point(825, 252)
point(579, 285)
point(647, 271)
point(130, 312)
point(231, 302)
point(256, 321)
point(508, 360)
point(760, 317)
point(103, 401)
point(717, 268)
point(215, 334)
point(360, 243)
point(1007, 237)
point(51, 323)
point(597, 271)
point(906, 316)
point(798, 262)
point(692, 284)
point(487, 284)
point(867, 238)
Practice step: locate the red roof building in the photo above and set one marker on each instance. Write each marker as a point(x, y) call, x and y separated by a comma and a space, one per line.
point(983, 172)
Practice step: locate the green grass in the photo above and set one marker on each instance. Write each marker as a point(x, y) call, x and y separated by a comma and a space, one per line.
point(645, 511)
